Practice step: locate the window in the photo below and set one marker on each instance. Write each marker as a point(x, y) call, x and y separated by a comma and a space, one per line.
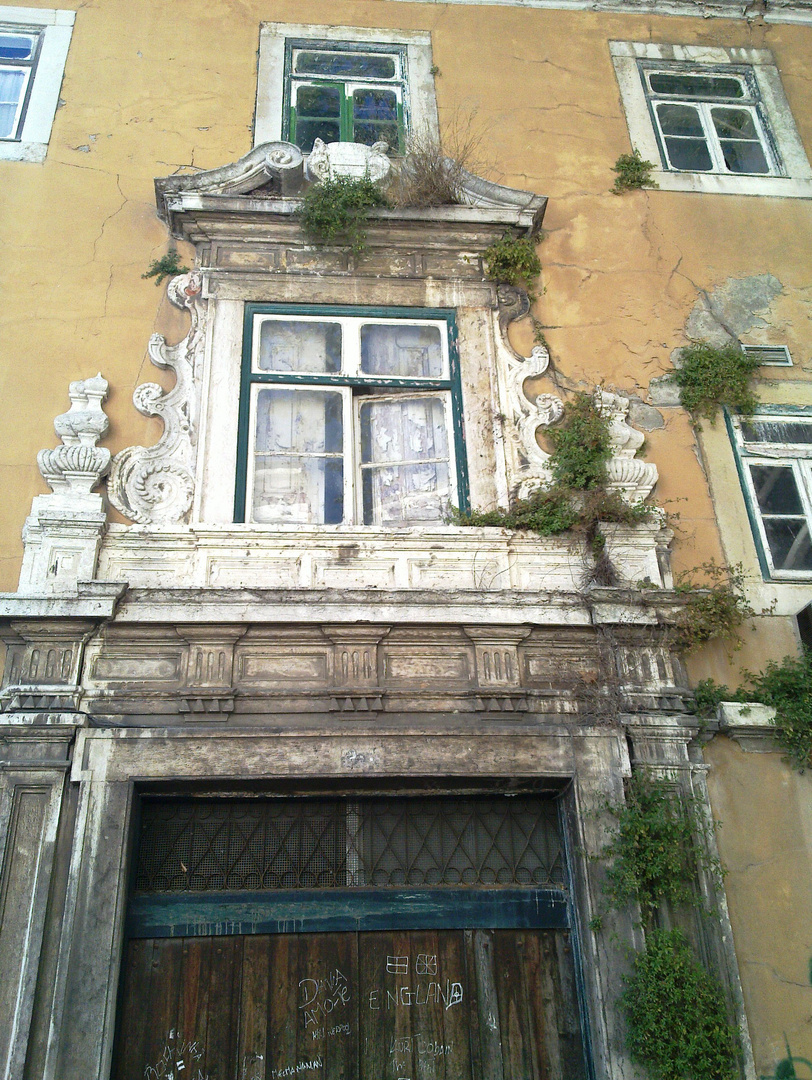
point(18, 59)
point(713, 119)
point(33, 49)
point(344, 93)
point(709, 121)
point(349, 416)
point(343, 84)
point(775, 465)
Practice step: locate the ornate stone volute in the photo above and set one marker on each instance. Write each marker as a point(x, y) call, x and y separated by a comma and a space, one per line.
point(78, 465)
point(154, 485)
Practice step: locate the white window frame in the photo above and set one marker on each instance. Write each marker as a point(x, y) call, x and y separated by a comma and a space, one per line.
point(418, 77)
point(789, 158)
point(55, 28)
point(794, 456)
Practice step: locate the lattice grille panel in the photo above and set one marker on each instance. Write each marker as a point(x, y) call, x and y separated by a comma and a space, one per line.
point(228, 844)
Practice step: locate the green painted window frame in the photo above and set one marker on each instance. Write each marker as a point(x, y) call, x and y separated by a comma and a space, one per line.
point(346, 119)
point(744, 456)
point(249, 378)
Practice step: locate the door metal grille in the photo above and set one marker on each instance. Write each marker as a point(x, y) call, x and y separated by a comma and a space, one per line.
point(207, 845)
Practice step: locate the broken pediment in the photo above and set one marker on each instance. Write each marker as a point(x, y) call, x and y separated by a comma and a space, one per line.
point(270, 180)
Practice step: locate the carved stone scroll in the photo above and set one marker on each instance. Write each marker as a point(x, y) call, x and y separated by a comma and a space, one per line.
point(527, 462)
point(155, 485)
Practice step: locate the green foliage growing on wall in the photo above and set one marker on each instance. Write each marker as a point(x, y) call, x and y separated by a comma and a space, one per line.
point(677, 1024)
point(336, 211)
point(167, 266)
point(578, 498)
point(715, 606)
point(632, 173)
point(788, 688)
point(709, 378)
point(512, 260)
point(581, 446)
point(653, 854)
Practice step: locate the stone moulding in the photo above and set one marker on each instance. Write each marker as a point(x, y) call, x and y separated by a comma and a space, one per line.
point(269, 180)
point(155, 485)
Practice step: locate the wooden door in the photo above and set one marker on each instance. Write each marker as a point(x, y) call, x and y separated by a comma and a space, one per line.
point(389, 1005)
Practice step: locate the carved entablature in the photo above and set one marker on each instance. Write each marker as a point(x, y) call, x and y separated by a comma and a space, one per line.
point(155, 485)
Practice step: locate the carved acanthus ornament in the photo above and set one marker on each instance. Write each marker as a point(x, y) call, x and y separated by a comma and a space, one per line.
point(524, 416)
point(155, 485)
point(78, 465)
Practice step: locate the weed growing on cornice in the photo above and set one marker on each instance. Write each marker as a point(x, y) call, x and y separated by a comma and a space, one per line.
point(632, 173)
point(578, 499)
point(677, 1023)
point(512, 260)
point(715, 606)
point(336, 211)
point(709, 378)
point(167, 266)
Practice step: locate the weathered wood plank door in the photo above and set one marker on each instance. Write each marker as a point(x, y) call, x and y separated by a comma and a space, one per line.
point(399, 1005)
point(387, 939)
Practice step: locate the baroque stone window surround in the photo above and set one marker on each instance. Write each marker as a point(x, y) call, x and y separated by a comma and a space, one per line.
point(420, 104)
point(54, 28)
point(797, 181)
point(789, 455)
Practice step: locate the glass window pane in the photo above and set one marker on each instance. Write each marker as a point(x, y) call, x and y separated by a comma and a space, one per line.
point(294, 345)
point(680, 120)
point(307, 131)
point(368, 133)
point(777, 431)
point(689, 154)
point(696, 86)
point(16, 47)
point(776, 490)
point(409, 435)
point(744, 157)
point(358, 65)
point(375, 105)
point(298, 463)
point(789, 543)
point(402, 350)
point(734, 124)
point(318, 101)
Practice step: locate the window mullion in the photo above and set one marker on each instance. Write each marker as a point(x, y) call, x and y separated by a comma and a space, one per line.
point(711, 138)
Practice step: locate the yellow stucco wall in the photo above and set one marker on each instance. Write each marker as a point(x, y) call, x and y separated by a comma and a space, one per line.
point(155, 88)
point(765, 842)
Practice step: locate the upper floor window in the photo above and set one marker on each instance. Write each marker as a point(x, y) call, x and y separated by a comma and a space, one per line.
point(709, 120)
point(18, 59)
point(349, 416)
point(343, 84)
point(344, 92)
point(713, 119)
point(33, 50)
point(775, 465)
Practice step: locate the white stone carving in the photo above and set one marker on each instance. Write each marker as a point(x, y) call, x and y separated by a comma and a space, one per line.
point(155, 484)
point(64, 530)
point(633, 478)
point(328, 160)
point(527, 462)
point(78, 465)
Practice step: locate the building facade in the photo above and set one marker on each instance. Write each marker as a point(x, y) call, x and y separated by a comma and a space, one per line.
point(300, 776)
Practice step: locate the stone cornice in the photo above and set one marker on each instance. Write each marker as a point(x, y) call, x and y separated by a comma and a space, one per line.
point(771, 11)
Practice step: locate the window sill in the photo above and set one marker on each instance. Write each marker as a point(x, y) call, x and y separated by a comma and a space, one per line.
point(23, 151)
point(777, 187)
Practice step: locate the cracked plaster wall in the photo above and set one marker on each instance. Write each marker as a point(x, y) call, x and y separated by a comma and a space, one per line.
point(765, 843)
point(149, 89)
